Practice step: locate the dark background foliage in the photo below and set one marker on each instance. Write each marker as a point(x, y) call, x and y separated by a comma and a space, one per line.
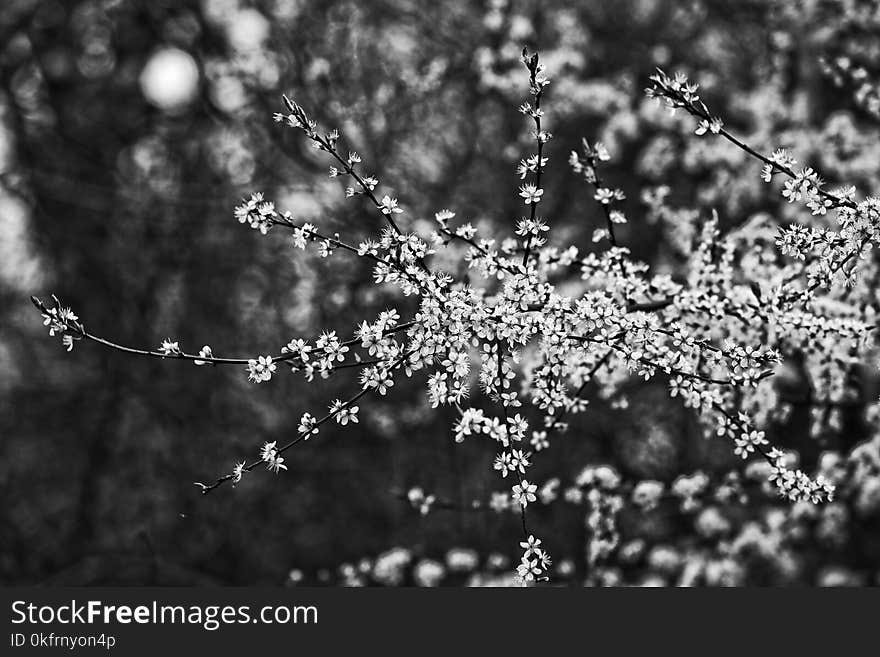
point(121, 204)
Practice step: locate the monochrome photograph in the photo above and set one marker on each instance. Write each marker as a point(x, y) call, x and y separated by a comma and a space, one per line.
point(393, 293)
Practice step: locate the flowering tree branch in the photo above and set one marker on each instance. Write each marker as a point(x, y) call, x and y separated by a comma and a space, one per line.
point(715, 333)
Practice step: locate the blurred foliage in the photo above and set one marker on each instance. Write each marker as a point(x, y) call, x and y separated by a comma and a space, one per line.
point(130, 129)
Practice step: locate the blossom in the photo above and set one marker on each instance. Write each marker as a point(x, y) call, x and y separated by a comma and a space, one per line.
point(748, 441)
point(646, 495)
point(462, 560)
point(528, 569)
point(302, 235)
point(368, 246)
point(61, 321)
point(388, 205)
point(524, 492)
point(503, 464)
point(517, 426)
point(276, 463)
point(267, 450)
point(428, 573)
point(307, 425)
point(344, 414)
point(204, 353)
point(713, 125)
point(331, 347)
point(257, 213)
point(378, 379)
point(169, 348)
point(606, 196)
point(531, 194)
point(260, 369)
point(269, 454)
point(499, 501)
point(443, 216)
point(237, 472)
point(298, 348)
point(530, 545)
point(544, 559)
point(420, 501)
point(519, 460)
point(539, 440)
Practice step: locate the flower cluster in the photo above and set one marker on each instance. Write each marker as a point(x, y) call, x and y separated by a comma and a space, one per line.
point(261, 369)
point(61, 321)
point(257, 213)
point(534, 561)
point(268, 454)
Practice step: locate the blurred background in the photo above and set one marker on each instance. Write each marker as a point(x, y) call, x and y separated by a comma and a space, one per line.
point(130, 129)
